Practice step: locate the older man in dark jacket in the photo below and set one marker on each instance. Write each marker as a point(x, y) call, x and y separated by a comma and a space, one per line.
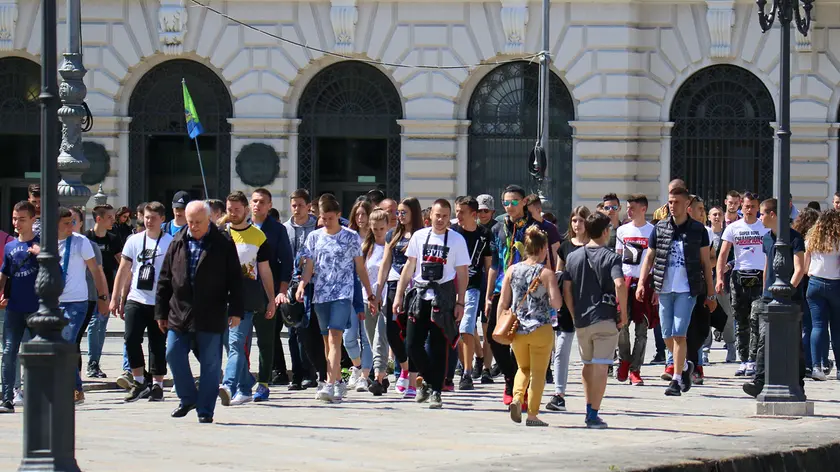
point(199, 294)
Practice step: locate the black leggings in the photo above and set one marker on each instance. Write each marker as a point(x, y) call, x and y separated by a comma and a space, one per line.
point(140, 318)
point(312, 345)
point(431, 366)
point(397, 337)
point(698, 330)
point(502, 353)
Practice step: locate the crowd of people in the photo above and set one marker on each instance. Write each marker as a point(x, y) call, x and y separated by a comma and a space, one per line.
point(450, 293)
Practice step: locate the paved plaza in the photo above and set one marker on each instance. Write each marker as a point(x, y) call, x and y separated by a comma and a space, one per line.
point(473, 432)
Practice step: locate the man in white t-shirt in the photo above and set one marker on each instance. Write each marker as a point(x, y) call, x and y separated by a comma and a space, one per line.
point(436, 255)
point(631, 243)
point(74, 299)
point(133, 300)
point(745, 236)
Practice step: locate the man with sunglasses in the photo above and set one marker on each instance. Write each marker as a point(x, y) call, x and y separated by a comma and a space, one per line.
point(507, 249)
point(745, 235)
point(612, 206)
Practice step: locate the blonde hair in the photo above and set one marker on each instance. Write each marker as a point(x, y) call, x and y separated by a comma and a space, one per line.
point(535, 241)
point(376, 216)
point(824, 236)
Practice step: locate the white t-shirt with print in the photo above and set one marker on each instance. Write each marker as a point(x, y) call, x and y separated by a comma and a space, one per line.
point(133, 250)
point(75, 283)
point(746, 241)
point(632, 241)
point(372, 264)
point(453, 254)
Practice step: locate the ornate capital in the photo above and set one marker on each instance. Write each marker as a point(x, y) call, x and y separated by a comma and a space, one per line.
point(720, 16)
point(803, 43)
point(344, 15)
point(172, 25)
point(8, 20)
point(514, 16)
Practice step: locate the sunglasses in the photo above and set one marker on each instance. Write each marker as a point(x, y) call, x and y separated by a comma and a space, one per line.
point(485, 211)
point(611, 207)
point(402, 212)
point(508, 203)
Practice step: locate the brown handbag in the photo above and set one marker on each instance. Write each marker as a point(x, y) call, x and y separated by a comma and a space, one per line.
point(507, 323)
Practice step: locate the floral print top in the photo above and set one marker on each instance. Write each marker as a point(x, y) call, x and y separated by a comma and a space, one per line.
point(535, 310)
point(333, 258)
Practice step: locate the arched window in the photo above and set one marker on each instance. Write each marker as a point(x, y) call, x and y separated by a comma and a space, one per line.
point(504, 128)
point(163, 158)
point(349, 139)
point(722, 139)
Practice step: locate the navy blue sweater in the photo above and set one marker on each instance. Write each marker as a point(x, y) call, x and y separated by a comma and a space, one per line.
point(282, 261)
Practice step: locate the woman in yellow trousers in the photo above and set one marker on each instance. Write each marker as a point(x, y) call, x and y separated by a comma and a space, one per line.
point(532, 303)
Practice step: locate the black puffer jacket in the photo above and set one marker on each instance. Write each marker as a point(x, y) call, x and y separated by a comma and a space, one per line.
point(692, 238)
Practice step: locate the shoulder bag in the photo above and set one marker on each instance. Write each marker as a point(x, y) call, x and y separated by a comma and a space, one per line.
point(507, 323)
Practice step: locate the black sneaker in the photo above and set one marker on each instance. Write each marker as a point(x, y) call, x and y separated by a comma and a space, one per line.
point(280, 378)
point(386, 384)
point(423, 393)
point(557, 403)
point(496, 371)
point(91, 370)
point(829, 364)
point(659, 358)
point(156, 393)
point(376, 388)
point(486, 378)
point(466, 383)
point(686, 376)
point(138, 391)
point(436, 403)
point(673, 389)
point(94, 371)
point(7, 407)
point(753, 388)
point(294, 387)
point(478, 366)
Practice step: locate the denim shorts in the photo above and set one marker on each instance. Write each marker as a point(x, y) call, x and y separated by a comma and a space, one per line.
point(675, 313)
point(334, 315)
point(471, 304)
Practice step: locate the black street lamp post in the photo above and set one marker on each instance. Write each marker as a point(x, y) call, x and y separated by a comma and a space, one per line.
point(782, 394)
point(49, 361)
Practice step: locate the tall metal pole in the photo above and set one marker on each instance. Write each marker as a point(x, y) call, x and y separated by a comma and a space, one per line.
point(544, 181)
point(49, 361)
point(781, 318)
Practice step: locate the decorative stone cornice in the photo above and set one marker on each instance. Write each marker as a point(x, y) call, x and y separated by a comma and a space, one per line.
point(803, 43)
point(344, 15)
point(172, 26)
point(720, 17)
point(514, 15)
point(8, 20)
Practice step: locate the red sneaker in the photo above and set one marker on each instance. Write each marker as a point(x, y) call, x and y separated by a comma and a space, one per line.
point(525, 403)
point(623, 370)
point(668, 374)
point(507, 398)
point(636, 378)
point(697, 377)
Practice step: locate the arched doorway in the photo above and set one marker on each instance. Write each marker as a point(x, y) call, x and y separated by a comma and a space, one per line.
point(162, 158)
point(20, 132)
point(722, 139)
point(504, 128)
point(349, 139)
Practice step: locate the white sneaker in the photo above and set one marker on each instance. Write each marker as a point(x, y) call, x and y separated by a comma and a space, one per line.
point(355, 375)
point(339, 390)
point(18, 401)
point(325, 393)
point(224, 395)
point(818, 374)
point(402, 384)
point(240, 399)
point(362, 385)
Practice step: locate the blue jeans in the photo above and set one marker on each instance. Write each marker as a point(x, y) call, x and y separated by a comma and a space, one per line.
point(125, 366)
point(14, 329)
point(824, 300)
point(237, 378)
point(806, 334)
point(355, 347)
point(96, 335)
point(178, 347)
point(675, 313)
point(74, 313)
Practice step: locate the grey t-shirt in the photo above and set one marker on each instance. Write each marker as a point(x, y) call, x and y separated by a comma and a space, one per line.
point(92, 296)
point(592, 271)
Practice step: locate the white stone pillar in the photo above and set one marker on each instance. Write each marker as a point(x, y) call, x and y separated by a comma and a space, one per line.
point(432, 159)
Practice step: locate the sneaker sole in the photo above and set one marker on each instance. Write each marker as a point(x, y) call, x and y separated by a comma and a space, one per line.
point(225, 397)
point(152, 399)
point(515, 409)
point(123, 383)
point(597, 426)
point(669, 393)
point(435, 406)
point(555, 408)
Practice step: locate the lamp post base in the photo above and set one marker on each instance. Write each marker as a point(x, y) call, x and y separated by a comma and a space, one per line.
point(805, 408)
point(49, 425)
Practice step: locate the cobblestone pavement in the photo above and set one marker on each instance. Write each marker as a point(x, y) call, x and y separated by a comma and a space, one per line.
point(473, 432)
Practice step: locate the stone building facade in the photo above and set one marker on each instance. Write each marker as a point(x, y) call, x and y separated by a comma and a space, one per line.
point(438, 99)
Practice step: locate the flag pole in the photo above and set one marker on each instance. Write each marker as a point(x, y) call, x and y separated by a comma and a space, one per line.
point(201, 166)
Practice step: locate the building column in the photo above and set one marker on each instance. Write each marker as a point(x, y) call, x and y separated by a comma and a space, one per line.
point(281, 135)
point(813, 162)
point(618, 157)
point(434, 159)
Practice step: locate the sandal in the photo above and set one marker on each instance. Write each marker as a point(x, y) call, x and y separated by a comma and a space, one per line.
point(536, 422)
point(516, 412)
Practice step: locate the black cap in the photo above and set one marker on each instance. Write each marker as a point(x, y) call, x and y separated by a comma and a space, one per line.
point(181, 199)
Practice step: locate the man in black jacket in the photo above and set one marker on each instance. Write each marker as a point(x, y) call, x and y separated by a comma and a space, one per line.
point(199, 294)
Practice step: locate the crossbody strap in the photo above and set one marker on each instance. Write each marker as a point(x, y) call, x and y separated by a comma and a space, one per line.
point(67, 247)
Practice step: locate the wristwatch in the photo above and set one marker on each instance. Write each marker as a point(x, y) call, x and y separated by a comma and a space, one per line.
point(104, 298)
point(371, 298)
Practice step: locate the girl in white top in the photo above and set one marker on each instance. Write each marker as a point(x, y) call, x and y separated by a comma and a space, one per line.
point(822, 257)
point(373, 250)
